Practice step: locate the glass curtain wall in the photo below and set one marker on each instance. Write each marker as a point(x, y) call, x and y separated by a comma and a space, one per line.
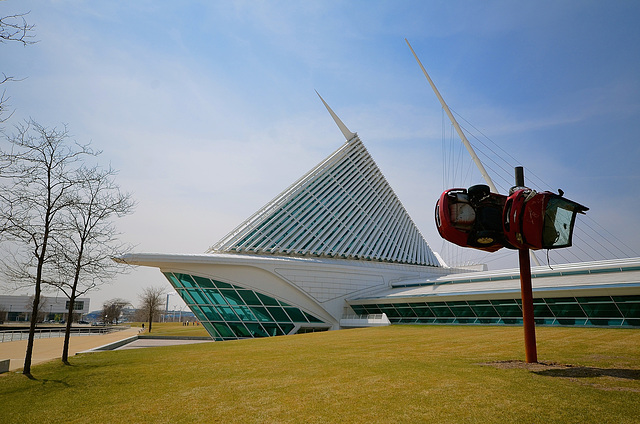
point(229, 312)
point(612, 311)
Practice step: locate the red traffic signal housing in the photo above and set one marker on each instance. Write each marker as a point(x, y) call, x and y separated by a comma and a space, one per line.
point(489, 221)
point(542, 220)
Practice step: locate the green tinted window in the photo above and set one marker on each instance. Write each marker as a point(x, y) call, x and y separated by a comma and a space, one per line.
point(311, 318)
point(223, 330)
point(256, 330)
point(389, 310)
point(629, 310)
point(261, 313)
point(211, 330)
point(359, 309)
point(462, 310)
point(231, 296)
point(442, 311)
point(203, 282)
point(211, 313)
point(173, 280)
point(542, 311)
point(239, 330)
point(619, 299)
point(273, 329)
point(244, 313)
point(406, 312)
point(601, 310)
point(484, 310)
point(197, 296)
point(268, 301)
point(295, 314)
point(215, 298)
point(186, 280)
point(508, 310)
point(567, 310)
point(594, 299)
point(287, 328)
point(423, 311)
point(227, 313)
point(185, 296)
point(198, 313)
point(221, 285)
point(279, 314)
point(249, 297)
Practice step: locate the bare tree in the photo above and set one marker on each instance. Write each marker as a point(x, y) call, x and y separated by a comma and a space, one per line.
point(112, 309)
point(151, 303)
point(37, 185)
point(91, 239)
point(13, 28)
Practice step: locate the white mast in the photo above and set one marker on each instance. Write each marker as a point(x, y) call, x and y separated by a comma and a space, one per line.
point(466, 143)
point(345, 131)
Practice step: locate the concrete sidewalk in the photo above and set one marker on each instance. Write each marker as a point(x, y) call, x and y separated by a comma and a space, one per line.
point(50, 349)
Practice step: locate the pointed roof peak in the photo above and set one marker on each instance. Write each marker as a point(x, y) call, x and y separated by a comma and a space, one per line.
point(343, 208)
point(345, 131)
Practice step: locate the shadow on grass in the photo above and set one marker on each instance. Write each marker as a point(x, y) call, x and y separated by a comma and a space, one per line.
point(46, 381)
point(587, 372)
point(550, 369)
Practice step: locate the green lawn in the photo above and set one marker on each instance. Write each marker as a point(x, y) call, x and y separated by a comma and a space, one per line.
point(397, 374)
point(174, 329)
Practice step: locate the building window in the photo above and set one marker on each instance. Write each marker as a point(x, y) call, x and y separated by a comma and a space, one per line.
point(78, 305)
point(229, 312)
point(610, 311)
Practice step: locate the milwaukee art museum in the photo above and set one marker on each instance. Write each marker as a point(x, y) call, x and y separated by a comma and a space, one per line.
point(337, 249)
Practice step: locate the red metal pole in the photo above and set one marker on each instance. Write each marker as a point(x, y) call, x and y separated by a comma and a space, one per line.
point(531, 354)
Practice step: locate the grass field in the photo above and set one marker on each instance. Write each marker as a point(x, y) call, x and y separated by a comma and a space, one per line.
point(173, 329)
point(400, 374)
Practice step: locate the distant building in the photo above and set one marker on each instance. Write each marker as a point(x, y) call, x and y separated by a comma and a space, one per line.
point(338, 249)
point(19, 308)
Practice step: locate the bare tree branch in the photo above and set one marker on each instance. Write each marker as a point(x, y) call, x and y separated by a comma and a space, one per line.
point(16, 28)
point(90, 238)
point(13, 28)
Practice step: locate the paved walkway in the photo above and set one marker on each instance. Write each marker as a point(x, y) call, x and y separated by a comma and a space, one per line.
point(50, 349)
point(142, 343)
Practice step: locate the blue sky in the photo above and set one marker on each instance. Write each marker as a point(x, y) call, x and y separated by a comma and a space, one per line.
point(208, 108)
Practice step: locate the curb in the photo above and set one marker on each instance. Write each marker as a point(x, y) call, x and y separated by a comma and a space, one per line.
point(111, 346)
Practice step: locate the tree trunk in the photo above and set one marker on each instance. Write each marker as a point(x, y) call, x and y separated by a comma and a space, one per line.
point(72, 301)
point(67, 330)
point(36, 306)
point(32, 331)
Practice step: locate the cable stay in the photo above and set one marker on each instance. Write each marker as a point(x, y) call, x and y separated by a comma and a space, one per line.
point(592, 240)
point(461, 133)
